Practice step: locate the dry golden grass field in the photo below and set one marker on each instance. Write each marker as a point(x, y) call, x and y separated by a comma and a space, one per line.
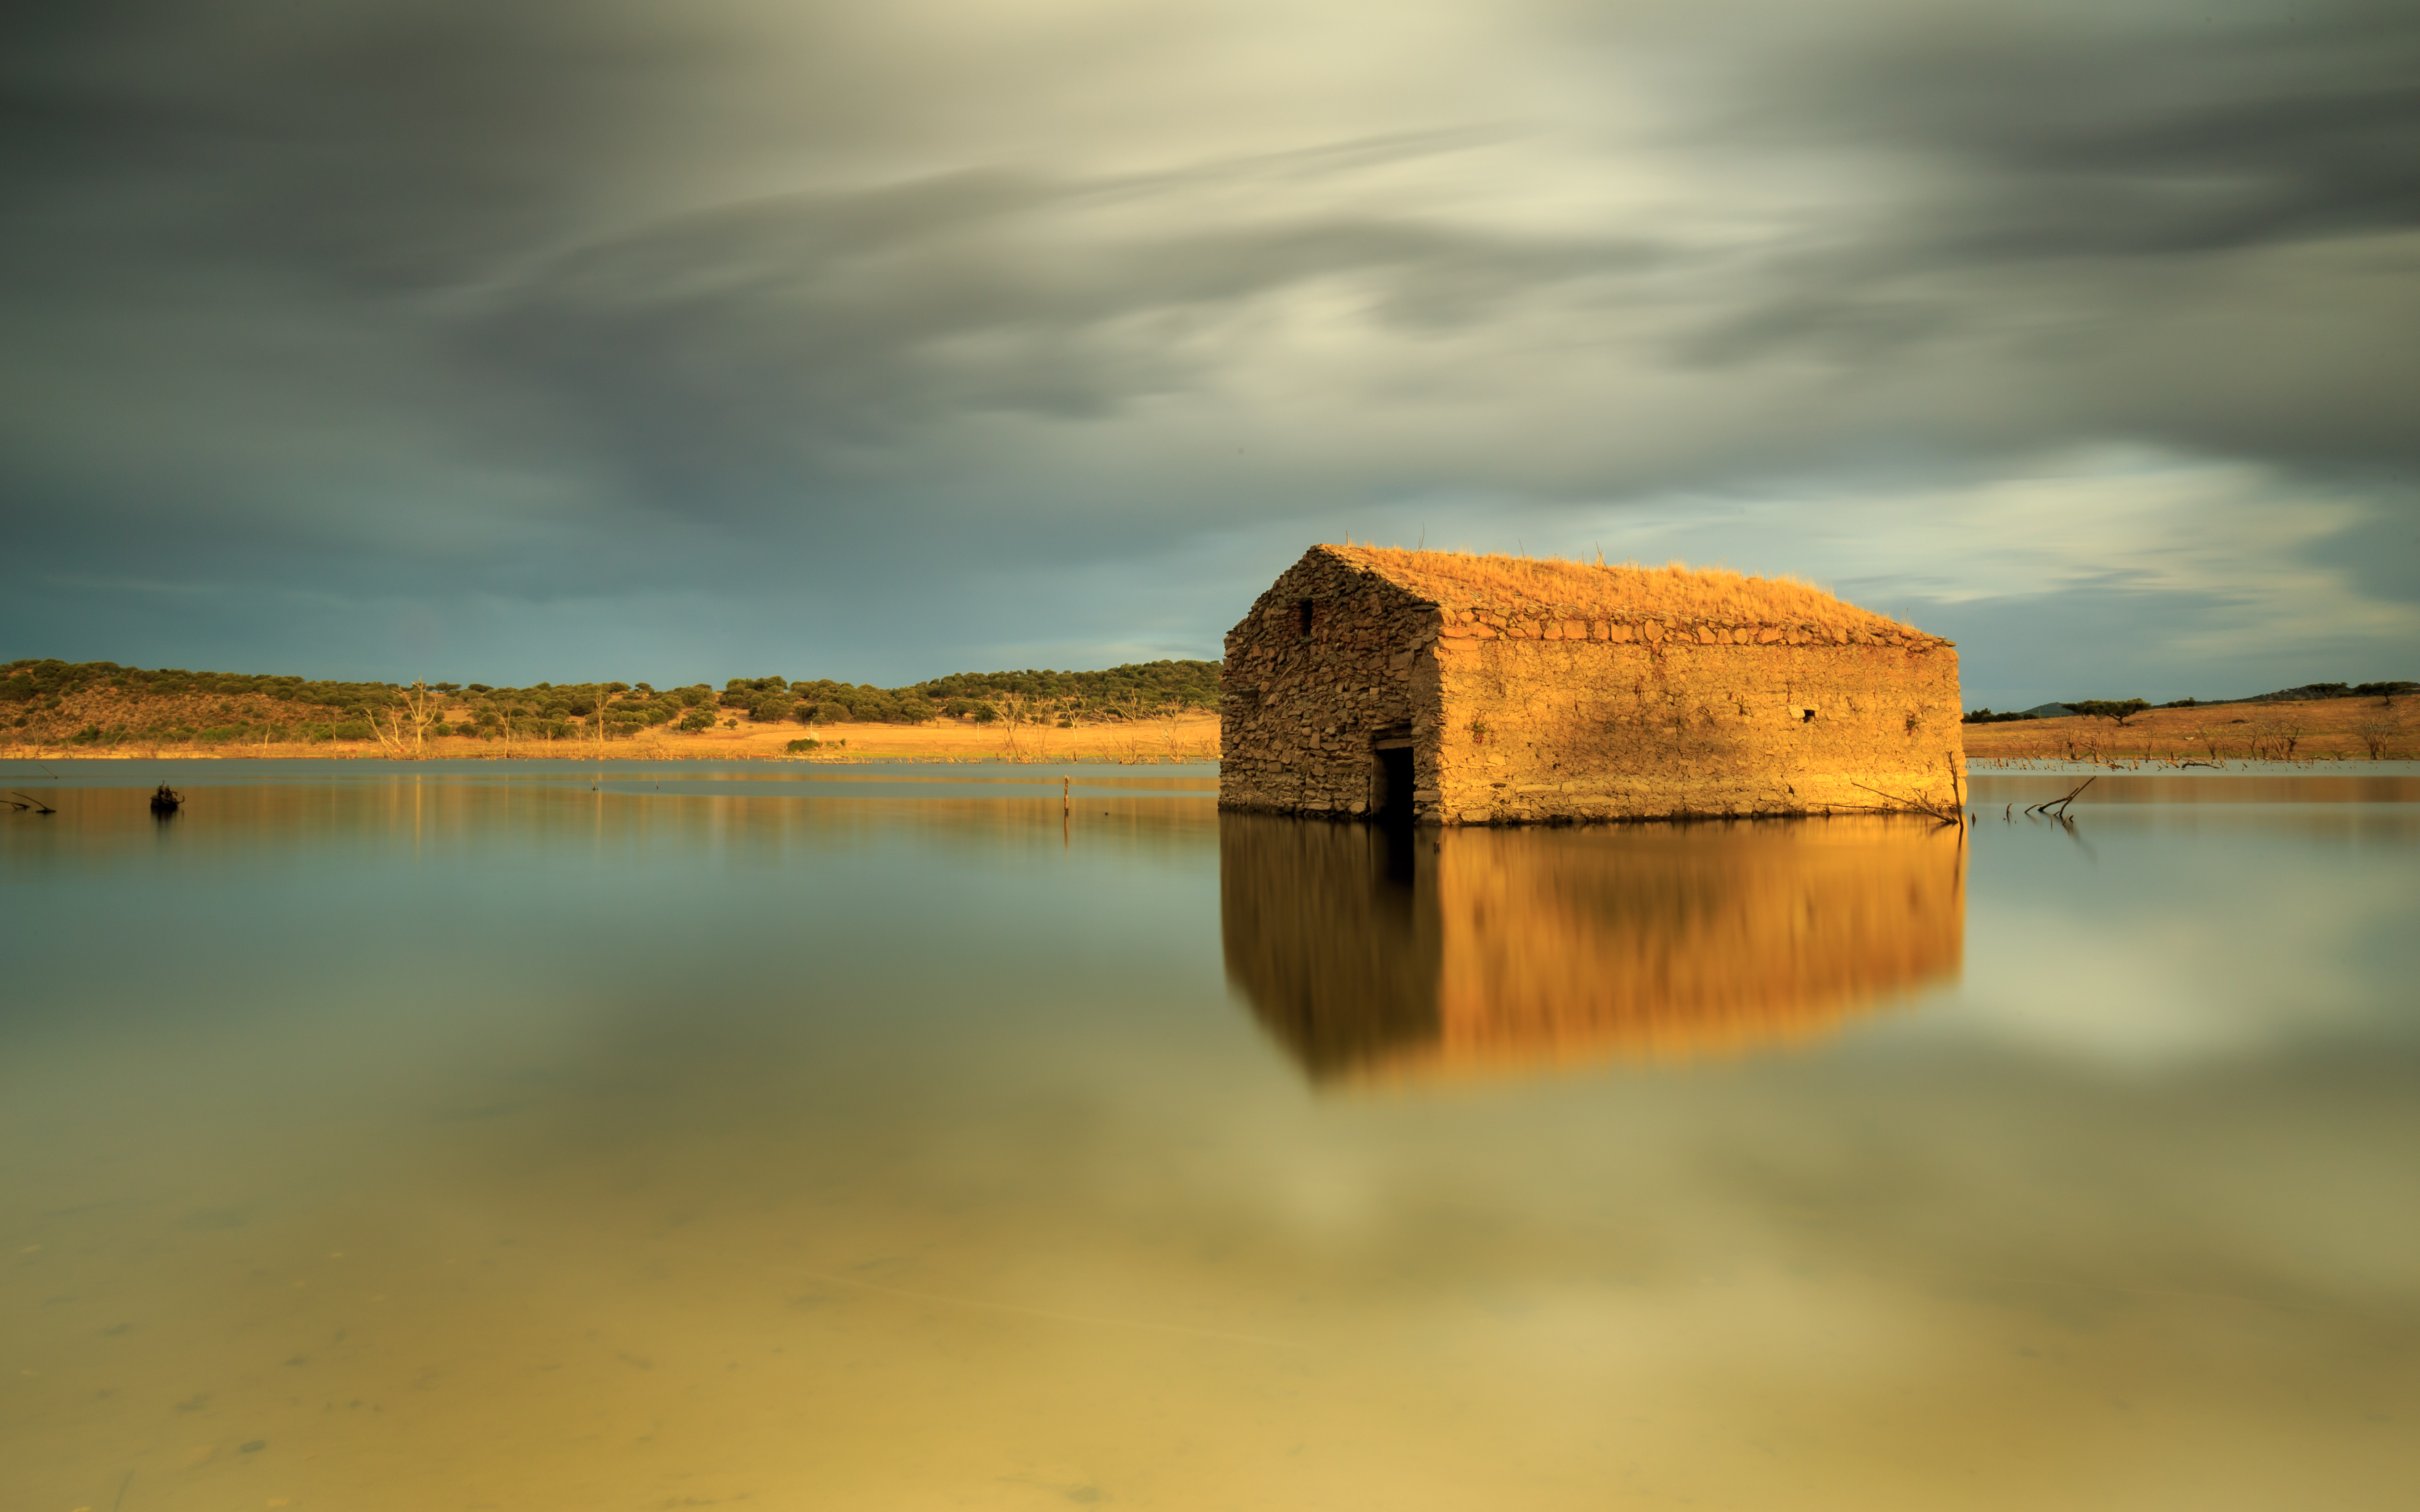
point(1191, 736)
point(2347, 729)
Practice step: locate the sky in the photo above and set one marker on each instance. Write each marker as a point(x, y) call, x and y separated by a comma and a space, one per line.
point(518, 340)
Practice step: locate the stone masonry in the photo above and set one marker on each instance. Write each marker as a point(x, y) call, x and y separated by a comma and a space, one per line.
point(1350, 692)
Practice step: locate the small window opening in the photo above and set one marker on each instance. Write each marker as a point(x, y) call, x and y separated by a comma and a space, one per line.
point(1806, 717)
point(1305, 613)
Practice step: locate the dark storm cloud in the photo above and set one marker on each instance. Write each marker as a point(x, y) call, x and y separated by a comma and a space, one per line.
point(2133, 130)
point(2140, 205)
point(555, 303)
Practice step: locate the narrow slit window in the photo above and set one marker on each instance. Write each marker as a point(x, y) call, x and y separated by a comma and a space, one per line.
point(1306, 614)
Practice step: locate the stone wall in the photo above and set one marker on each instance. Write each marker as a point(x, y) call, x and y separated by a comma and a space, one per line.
point(1607, 719)
point(1301, 704)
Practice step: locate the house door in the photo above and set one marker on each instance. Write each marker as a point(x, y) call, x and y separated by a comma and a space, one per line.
point(1391, 785)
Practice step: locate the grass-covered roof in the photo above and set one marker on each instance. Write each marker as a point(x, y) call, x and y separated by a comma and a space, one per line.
point(1585, 590)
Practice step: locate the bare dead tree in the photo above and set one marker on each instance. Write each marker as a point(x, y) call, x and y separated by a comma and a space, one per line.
point(1016, 710)
point(1131, 715)
point(390, 733)
point(405, 732)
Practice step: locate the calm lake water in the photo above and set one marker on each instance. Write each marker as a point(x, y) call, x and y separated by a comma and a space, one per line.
point(878, 1137)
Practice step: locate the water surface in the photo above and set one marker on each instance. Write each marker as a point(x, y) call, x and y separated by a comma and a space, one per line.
point(779, 1137)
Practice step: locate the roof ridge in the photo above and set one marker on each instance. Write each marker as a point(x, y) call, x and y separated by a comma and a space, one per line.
point(1531, 587)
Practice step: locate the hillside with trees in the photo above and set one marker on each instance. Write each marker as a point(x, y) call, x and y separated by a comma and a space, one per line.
point(53, 703)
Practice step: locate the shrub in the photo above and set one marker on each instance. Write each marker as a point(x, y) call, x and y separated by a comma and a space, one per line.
point(810, 743)
point(698, 719)
point(2119, 710)
point(744, 692)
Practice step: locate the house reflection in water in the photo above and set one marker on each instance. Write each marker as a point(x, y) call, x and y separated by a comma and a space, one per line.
point(1377, 952)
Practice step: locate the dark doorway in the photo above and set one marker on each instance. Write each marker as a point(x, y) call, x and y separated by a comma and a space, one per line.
point(1390, 784)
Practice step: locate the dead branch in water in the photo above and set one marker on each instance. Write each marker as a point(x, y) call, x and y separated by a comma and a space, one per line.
point(1930, 807)
point(13, 800)
point(2056, 807)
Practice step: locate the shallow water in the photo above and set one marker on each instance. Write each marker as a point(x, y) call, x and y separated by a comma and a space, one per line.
point(777, 1136)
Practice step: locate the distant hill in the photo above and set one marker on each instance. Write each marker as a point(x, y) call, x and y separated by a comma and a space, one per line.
point(2311, 692)
point(2308, 693)
point(50, 701)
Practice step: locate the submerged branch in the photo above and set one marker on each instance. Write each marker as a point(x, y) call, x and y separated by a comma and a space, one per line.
point(1930, 807)
point(2056, 807)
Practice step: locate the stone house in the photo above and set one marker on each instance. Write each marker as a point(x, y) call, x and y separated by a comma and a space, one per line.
point(1448, 689)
